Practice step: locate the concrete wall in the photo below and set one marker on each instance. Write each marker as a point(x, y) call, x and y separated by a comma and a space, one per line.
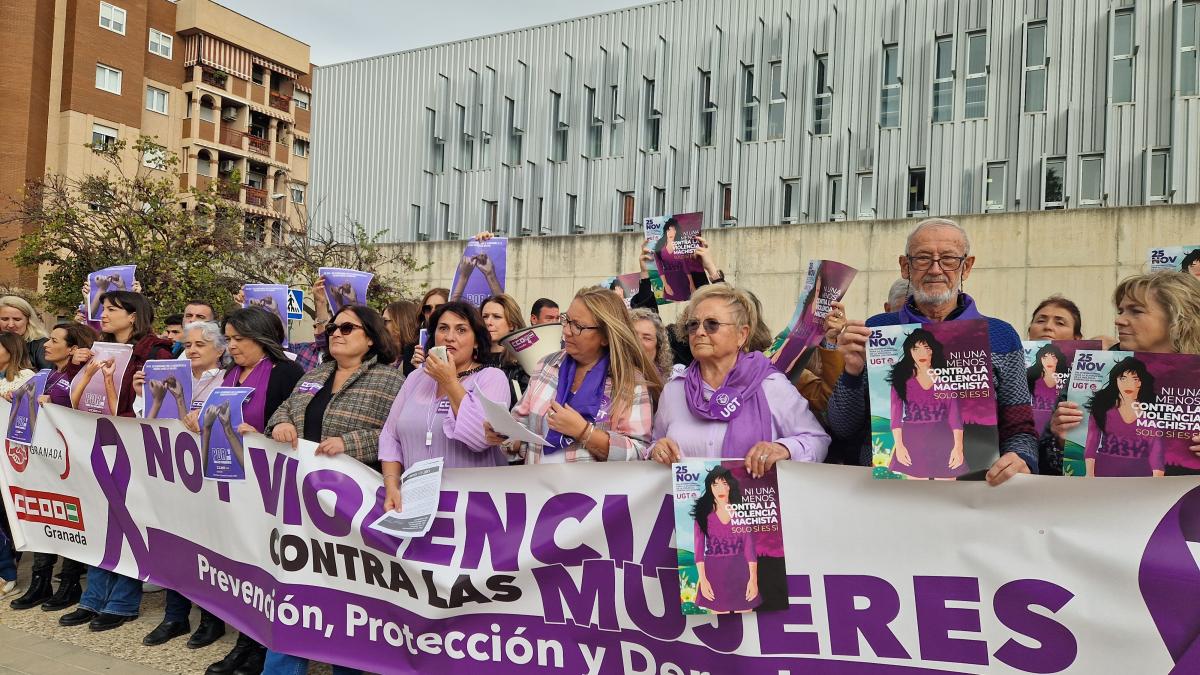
point(1021, 259)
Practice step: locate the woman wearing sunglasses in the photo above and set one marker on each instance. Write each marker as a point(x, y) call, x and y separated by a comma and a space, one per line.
point(341, 405)
point(434, 298)
point(592, 400)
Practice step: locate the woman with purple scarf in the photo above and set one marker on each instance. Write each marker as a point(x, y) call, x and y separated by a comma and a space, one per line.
point(732, 403)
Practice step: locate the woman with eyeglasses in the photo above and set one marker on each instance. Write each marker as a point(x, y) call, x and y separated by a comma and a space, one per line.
point(341, 405)
point(502, 315)
point(592, 400)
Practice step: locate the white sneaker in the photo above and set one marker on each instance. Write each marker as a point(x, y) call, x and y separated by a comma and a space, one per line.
point(9, 588)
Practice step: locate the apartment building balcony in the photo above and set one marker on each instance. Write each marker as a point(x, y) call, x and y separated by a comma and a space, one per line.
point(260, 145)
point(257, 197)
point(281, 102)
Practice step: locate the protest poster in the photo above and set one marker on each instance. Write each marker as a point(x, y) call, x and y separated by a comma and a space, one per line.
point(96, 387)
point(221, 444)
point(825, 283)
point(626, 284)
point(572, 569)
point(23, 413)
point(729, 538)
point(1047, 369)
point(673, 243)
point(271, 297)
point(480, 273)
point(344, 287)
point(115, 278)
point(932, 399)
point(167, 389)
point(1176, 259)
point(1140, 412)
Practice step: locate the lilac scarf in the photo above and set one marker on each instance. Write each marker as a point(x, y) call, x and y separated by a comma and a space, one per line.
point(254, 411)
point(740, 402)
point(966, 310)
point(587, 401)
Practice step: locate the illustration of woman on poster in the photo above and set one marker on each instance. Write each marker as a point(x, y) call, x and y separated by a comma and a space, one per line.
point(1114, 447)
point(1191, 263)
point(927, 431)
point(726, 563)
point(790, 352)
point(672, 267)
point(1050, 366)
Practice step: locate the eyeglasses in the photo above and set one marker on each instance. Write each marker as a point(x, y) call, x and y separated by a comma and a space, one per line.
point(573, 327)
point(948, 263)
point(710, 326)
point(343, 328)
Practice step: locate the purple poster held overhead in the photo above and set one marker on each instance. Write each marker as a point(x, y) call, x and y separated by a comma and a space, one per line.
point(220, 441)
point(344, 287)
point(96, 386)
point(167, 390)
point(480, 273)
point(116, 278)
point(626, 284)
point(826, 283)
point(271, 297)
point(23, 414)
point(675, 254)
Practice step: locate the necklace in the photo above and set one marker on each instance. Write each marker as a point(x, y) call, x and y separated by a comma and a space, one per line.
point(470, 371)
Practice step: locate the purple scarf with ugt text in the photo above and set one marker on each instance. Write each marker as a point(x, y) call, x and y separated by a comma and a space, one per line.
point(740, 402)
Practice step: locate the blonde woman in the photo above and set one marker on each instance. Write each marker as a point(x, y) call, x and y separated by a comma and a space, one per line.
point(592, 400)
point(17, 316)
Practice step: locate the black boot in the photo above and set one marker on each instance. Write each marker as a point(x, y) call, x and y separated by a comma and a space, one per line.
point(242, 652)
point(254, 663)
point(209, 631)
point(68, 593)
point(38, 592)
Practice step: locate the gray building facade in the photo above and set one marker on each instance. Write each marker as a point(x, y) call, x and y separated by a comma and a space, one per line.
point(761, 112)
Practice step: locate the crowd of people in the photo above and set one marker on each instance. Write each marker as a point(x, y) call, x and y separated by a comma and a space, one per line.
point(395, 388)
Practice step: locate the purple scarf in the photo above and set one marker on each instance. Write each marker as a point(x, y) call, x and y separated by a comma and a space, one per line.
point(588, 401)
point(254, 411)
point(966, 310)
point(740, 402)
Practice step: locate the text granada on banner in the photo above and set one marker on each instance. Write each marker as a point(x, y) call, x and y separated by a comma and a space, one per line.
point(571, 568)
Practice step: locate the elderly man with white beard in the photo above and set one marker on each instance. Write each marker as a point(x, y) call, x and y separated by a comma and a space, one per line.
point(937, 260)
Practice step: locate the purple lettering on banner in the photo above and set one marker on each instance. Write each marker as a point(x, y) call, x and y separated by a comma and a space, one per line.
point(276, 481)
point(559, 508)
point(114, 483)
point(777, 632)
point(347, 500)
point(935, 620)
point(618, 528)
point(596, 593)
point(425, 549)
point(384, 543)
point(846, 622)
point(673, 622)
point(158, 455)
point(191, 476)
point(484, 524)
point(724, 636)
point(1057, 647)
point(660, 550)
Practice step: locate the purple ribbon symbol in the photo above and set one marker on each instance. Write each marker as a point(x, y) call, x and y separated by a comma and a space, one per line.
point(114, 483)
point(1169, 579)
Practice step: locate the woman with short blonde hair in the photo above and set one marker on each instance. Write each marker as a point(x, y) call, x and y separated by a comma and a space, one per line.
point(17, 316)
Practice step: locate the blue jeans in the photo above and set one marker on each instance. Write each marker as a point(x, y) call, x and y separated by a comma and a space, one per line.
point(111, 593)
point(8, 567)
point(178, 607)
point(282, 664)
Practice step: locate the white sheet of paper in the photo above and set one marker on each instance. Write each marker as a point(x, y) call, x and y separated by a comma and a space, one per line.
point(420, 490)
point(505, 424)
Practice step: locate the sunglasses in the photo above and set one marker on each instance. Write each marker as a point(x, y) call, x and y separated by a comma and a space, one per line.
point(343, 328)
point(710, 326)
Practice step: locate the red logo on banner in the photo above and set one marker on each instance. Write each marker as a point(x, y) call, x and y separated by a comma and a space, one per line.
point(47, 507)
point(18, 455)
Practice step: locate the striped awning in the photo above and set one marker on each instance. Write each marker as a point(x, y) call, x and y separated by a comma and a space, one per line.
point(271, 112)
point(270, 65)
point(218, 54)
point(300, 87)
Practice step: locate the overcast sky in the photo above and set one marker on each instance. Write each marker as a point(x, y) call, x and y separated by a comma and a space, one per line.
point(342, 30)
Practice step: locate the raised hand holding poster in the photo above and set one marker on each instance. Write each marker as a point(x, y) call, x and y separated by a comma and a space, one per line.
point(167, 388)
point(271, 297)
point(826, 283)
point(481, 271)
point(675, 252)
point(344, 287)
point(1047, 369)
point(116, 278)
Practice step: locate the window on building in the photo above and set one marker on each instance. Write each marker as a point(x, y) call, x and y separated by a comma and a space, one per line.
point(616, 123)
point(558, 150)
point(161, 43)
point(1122, 57)
point(156, 100)
point(300, 148)
point(866, 196)
point(466, 146)
point(943, 80)
point(573, 213)
point(1091, 180)
point(112, 18)
point(444, 222)
point(1189, 30)
point(628, 219)
point(108, 79)
point(749, 105)
point(258, 74)
point(203, 163)
point(485, 150)
point(1159, 181)
point(103, 136)
point(725, 193)
point(835, 209)
point(414, 217)
point(660, 201)
point(538, 215)
point(995, 186)
point(437, 148)
point(889, 95)
point(790, 208)
point(155, 158)
point(1035, 67)
point(301, 98)
point(708, 110)
point(518, 214)
point(594, 122)
point(297, 194)
point(515, 135)
point(976, 92)
point(823, 97)
point(917, 205)
point(653, 120)
point(1054, 180)
point(777, 104)
point(491, 209)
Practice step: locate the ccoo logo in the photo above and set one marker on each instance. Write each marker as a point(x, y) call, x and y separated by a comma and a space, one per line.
point(1169, 579)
